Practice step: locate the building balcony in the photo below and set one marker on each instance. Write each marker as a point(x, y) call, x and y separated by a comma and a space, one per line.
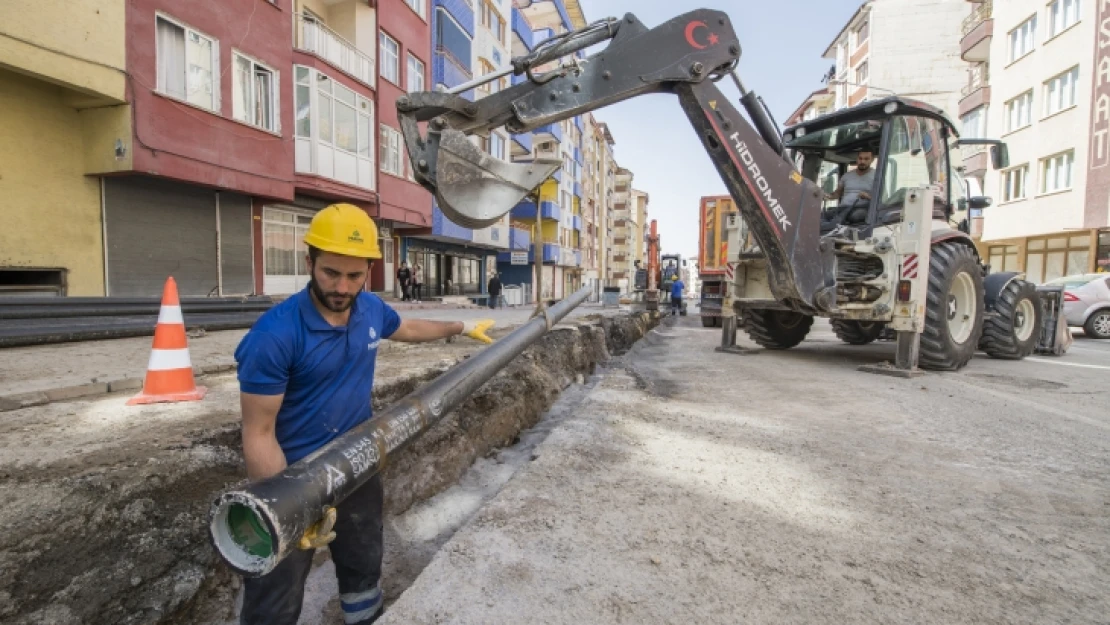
point(974, 97)
point(519, 239)
point(450, 71)
point(976, 160)
point(527, 210)
point(578, 156)
point(620, 258)
point(444, 227)
point(521, 145)
point(551, 253)
point(315, 38)
point(522, 32)
point(978, 30)
point(577, 189)
point(576, 223)
point(550, 132)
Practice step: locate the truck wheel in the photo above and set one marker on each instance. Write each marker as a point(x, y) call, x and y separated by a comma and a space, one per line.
point(1098, 325)
point(708, 322)
point(776, 329)
point(953, 308)
point(855, 332)
point(1012, 334)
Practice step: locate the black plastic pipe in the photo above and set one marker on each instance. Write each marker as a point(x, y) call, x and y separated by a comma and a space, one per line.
point(254, 527)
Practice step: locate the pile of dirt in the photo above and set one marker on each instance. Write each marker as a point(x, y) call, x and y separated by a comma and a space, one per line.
point(124, 539)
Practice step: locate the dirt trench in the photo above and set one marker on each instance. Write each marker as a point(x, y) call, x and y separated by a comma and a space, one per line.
point(124, 540)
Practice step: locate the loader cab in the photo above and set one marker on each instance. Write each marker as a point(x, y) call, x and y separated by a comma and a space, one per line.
point(913, 144)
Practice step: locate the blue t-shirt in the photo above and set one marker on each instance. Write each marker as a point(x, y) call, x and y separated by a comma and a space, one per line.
point(326, 372)
point(676, 288)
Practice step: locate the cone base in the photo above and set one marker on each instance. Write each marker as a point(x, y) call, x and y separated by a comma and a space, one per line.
point(196, 394)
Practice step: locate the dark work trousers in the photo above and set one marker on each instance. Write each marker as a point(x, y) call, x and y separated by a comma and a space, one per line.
point(276, 598)
point(676, 305)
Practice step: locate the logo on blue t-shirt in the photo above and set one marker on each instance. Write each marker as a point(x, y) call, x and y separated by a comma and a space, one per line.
point(373, 344)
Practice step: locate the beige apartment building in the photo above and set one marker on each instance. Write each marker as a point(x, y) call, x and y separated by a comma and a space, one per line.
point(639, 237)
point(1034, 81)
point(624, 229)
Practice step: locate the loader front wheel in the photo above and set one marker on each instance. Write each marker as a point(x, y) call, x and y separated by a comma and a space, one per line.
point(953, 309)
point(1012, 333)
point(776, 329)
point(855, 332)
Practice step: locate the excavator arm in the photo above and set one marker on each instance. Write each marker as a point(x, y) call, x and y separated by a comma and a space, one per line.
point(685, 57)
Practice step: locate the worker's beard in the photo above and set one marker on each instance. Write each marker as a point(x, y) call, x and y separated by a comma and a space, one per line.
point(332, 301)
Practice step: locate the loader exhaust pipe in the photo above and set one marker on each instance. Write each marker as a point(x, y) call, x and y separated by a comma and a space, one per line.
point(254, 527)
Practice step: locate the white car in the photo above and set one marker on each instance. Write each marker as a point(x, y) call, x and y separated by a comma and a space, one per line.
point(1087, 302)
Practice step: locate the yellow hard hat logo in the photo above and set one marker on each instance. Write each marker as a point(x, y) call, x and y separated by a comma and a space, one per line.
point(329, 227)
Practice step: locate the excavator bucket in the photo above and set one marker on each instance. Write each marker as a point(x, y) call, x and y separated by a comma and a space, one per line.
point(474, 189)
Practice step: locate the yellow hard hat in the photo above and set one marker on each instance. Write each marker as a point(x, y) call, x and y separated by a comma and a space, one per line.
point(344, 229)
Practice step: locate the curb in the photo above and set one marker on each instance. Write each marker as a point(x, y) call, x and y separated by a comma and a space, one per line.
point(19, 401)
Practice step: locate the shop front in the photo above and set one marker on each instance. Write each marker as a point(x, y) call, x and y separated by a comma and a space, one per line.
point(1046, 257)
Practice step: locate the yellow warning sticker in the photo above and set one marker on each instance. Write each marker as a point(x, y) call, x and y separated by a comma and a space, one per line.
point(796, 177)
point(713, 104)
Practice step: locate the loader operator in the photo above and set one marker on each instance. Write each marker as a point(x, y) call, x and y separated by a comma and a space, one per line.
point(306, 370)
point(855, 185)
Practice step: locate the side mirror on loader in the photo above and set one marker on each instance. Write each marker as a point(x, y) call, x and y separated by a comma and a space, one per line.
point(1000, 156)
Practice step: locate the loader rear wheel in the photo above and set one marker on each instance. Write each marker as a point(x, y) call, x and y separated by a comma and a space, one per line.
point(1013, 332)
point(855, 332)
point(776, 329)
point(953, 309)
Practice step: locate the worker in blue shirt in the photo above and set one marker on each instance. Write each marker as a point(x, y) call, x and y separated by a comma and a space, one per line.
point(676, 295)
point(306, 371)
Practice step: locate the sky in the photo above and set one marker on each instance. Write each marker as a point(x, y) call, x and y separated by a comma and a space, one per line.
point(780, 60)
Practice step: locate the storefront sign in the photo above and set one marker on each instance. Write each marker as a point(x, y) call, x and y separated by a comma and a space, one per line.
point(520, 258)
point(1098, 175)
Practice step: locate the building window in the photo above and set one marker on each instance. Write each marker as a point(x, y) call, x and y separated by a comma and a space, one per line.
point(1019, 112)
point(1056, 172)
point(390, 155)
point(1023, 39)
point(1013, 183)
point(415, 74)
point(1062, 15)
point(451, 39)
point(1055, 257)
point(1059, 91)
point(492, 20)
point(484, 69)
point(187, 60)
point(861, 33)
point(330, 118)
point(861, 73)
point(975, 122)
point(255, 94)
point(496, 146)
point(390, 59)
point(420, 6)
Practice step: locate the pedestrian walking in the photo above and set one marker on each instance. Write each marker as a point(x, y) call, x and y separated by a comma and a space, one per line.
point(404, 278)
point(494, 289)
point(417, 281)
point(306, 370)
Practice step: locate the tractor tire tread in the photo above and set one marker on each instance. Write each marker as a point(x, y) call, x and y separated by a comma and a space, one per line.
point(762, 327)
point(999, 339)
point(853, 332)
point(937, 351)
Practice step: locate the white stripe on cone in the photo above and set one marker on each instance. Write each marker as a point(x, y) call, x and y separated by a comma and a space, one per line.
point(166, 359)
point(171, 314)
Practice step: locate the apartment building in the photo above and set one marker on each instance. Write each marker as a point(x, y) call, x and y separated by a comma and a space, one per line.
point(818, 103)
point(638, 243)
point(559, 204)
point(883, 50)
point(1033, 82)
point(607, 168)
point(624, 231)
point(67, 99)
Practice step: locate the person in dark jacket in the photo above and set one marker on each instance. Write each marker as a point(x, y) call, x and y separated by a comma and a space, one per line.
point(404, 278)
point(494, 290)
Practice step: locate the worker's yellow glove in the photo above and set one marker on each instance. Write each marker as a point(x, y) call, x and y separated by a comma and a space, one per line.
point(476, 329)
point(319, 533)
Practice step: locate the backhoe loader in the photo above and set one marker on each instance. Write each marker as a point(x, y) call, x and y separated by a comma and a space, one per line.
point(894, 260)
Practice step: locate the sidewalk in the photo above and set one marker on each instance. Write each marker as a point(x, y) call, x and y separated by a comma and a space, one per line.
point(32, 376)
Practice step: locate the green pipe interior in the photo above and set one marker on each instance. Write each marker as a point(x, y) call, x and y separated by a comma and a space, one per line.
point(248, 531)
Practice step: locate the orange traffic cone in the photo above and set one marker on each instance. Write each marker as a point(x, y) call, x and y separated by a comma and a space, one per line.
point(169, 374)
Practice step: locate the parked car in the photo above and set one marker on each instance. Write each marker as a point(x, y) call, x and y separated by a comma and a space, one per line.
point(1087, 302)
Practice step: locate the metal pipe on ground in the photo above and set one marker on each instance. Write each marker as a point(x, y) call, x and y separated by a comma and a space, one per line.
point(254, 527)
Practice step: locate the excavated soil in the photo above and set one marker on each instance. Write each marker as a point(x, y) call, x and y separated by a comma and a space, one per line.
point(105, 506)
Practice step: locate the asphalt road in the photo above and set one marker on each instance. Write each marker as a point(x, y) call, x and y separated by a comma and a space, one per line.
point(789, 487)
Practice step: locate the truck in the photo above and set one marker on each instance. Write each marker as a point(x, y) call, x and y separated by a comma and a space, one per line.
point(713, 211)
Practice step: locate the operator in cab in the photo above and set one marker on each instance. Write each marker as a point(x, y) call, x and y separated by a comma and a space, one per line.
point(857, 183)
